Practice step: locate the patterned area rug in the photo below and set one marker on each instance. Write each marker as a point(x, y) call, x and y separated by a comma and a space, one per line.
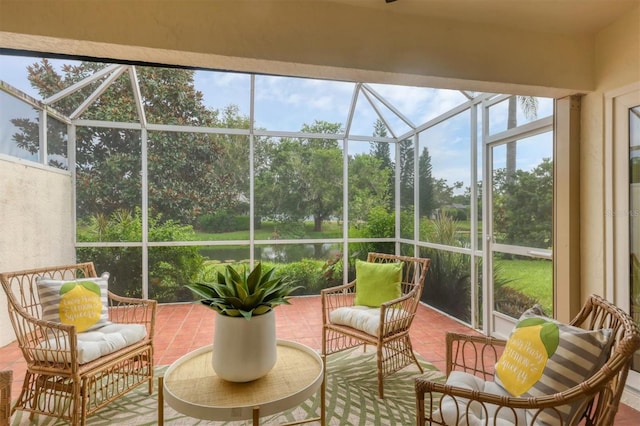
point(352, 389)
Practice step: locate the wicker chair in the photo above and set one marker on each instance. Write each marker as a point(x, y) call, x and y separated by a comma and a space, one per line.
point(478, 355)
point(394, 350)
point(57, 384)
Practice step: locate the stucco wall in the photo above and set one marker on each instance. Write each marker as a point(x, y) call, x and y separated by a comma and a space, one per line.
point(36, 217)
point(617, 64)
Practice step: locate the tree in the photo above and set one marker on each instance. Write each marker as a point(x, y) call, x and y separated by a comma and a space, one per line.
point(382, 151)
point(529, 105)
point(523, 206)
point(368, 186)
point(323, 174)
point(406, 174)
point(426, 200)
point(279, 183)
point(301, 177)
point(188, 172)
point(170, 268)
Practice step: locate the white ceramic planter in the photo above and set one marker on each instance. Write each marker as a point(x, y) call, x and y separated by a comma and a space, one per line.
point(244, 350)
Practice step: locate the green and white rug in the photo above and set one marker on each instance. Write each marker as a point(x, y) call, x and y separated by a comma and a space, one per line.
point(352, 389)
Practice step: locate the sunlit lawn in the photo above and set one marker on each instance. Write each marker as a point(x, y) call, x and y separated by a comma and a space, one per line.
point(530, 277)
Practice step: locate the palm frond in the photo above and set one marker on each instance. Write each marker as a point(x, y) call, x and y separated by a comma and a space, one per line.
point(529, 105)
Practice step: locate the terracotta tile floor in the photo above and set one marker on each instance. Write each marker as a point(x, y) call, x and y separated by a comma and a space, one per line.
point(182, 328)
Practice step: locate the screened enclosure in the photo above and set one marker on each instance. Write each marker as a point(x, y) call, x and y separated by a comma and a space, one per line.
point(180, 171)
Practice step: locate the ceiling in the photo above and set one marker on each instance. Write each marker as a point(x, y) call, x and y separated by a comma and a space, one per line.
point(551, 48)
point(547, 16)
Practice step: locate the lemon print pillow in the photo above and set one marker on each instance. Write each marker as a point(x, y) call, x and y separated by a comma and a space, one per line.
point(544, 356)
point(81, 302)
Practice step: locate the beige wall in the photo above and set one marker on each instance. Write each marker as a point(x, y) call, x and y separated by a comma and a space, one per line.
point(617, 64)
point(308, 38)
point(36, 212)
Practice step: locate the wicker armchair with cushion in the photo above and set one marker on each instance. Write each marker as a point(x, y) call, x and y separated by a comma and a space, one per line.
point(377, 308)
point(545, 373)
point(84, 346)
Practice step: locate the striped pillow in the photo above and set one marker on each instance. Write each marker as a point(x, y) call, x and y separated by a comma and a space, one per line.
point(544, 356)
point(81, 302)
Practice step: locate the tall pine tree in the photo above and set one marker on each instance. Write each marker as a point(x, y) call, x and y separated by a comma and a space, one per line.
point(426, 201)
point(406, 174)
point(382, 151)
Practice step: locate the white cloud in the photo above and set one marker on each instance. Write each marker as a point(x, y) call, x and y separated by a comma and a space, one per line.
point(221, 89)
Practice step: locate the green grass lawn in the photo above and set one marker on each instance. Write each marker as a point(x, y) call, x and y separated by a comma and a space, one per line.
point(268, 229)
point(531, 277)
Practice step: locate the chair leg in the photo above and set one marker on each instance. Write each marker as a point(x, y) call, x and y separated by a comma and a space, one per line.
point(79, 402)
point(6, 377)
point(380, 372)
point(404, 350)
point(420, 414)
point(151, 379)
point(38, 384)
point(151, 372)
point(413, 355)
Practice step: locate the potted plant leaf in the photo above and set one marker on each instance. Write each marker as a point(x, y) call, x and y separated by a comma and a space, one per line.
point(244, 344)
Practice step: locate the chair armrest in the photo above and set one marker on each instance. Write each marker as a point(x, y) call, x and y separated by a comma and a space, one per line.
point(45, 343)
point(397, 301)
point(340, 289)
point(336, 297)
point(430, 396)
point(397, 314)
point(475, 354)
point(131, 310)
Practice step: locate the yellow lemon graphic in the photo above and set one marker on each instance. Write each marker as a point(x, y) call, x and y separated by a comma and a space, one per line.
point(80, 304)
point(525, 356)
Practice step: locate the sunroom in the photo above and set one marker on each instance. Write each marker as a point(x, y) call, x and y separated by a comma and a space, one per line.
point(407, 161)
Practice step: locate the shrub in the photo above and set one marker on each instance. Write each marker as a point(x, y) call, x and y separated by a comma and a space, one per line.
point(459, 214)
point(170, 268)
point(448, 283)
point(306, 273)
point(332, 270)
point(380, 224)
point(243, 221)
point(512, 302)
point(223, 221)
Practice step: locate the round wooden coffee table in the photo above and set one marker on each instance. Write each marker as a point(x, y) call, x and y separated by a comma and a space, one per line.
point(191, 387)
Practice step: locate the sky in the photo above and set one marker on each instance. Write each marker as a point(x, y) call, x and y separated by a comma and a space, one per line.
point(287, 103)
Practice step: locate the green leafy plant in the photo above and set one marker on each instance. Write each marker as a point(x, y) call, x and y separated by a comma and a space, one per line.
point(243, 293)
point(170, 268)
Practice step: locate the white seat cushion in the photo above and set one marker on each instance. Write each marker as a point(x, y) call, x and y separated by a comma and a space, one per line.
point(363, 318)
point(472, 414)
point(93, 344)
